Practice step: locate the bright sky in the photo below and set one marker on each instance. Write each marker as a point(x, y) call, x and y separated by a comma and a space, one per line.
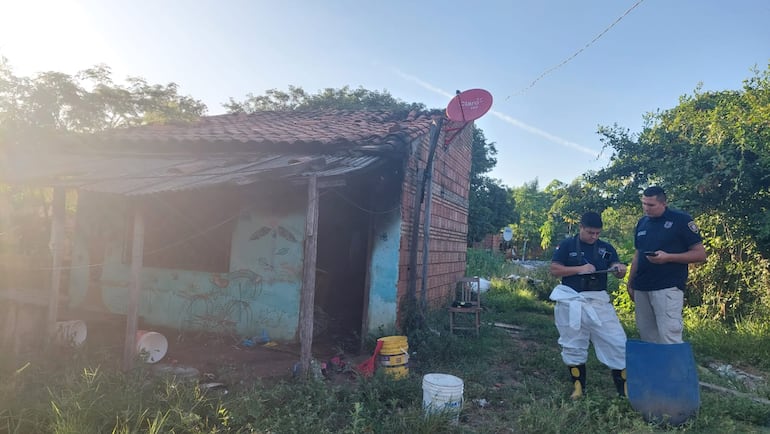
point(419, 51)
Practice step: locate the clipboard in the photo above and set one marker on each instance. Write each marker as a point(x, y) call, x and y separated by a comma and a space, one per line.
point(607, 271)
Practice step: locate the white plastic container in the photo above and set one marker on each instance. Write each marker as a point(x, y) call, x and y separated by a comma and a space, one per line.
point(151, 346)
point(442, 393)
point(71, 333)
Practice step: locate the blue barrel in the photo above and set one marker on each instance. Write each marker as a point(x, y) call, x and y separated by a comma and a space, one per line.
point(662, 381)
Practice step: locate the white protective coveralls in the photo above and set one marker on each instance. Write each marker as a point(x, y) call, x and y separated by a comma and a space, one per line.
point(588, 316)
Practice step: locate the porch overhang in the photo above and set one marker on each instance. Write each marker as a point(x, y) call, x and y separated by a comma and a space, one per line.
point(135, 174)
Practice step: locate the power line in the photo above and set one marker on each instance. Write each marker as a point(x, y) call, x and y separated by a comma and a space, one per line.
point(576, 53)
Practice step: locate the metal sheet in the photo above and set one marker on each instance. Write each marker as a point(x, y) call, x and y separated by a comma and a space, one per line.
point(138, 174)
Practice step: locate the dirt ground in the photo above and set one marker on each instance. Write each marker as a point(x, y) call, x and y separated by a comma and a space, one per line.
point(220, 358)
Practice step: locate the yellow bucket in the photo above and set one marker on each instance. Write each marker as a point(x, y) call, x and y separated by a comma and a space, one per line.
point(394, 355)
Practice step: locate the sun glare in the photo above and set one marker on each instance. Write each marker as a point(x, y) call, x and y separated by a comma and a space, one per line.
point(50, 35)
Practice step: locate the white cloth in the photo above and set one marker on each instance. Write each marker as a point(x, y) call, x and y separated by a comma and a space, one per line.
point(579, 303)
point(588, 317)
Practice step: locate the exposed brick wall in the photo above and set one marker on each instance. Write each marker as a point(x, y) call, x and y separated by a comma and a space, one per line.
point(490, 242)
point(449, 216)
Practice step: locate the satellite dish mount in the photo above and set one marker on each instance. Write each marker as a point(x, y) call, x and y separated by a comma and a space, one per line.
point(465, 108)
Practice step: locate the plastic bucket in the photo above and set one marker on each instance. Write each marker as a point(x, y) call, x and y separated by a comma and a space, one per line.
point(151, 346)
point(72, 333)
point(443, 394)
point(394, 355)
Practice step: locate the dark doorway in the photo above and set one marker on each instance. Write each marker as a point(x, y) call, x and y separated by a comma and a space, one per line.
point(343, 233)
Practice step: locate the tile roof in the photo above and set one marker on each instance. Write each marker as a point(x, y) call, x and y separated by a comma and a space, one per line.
point(366, 130)
point(234, 149)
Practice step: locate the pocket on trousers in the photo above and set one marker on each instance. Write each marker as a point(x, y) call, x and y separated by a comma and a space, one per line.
point(674, 300)
point(561, 314)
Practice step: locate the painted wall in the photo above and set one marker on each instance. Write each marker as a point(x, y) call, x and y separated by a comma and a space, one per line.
point(260, 292)
point(383, 272)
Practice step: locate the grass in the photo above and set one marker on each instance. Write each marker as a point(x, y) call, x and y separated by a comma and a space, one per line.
point(514, 382)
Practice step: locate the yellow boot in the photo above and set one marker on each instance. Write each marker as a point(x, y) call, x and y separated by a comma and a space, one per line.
point(578, 374)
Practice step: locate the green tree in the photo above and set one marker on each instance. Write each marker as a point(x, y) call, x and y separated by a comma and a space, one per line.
point(344, 98)
point(53, 103)
point(711, 154)
point(491, 208)
point(491, 204)
point(45, 108)
point(532, 207)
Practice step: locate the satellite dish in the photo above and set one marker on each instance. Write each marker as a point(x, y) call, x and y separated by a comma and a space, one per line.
point(507, 234)
point(469, 105)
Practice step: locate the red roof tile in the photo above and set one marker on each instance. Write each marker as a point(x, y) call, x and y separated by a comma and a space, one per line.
point(225, 149)
point(285, 130)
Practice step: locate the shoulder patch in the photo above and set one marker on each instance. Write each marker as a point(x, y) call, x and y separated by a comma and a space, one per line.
point(693, 227)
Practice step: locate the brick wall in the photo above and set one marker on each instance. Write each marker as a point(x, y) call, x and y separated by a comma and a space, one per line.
point(490, 242)
point(449, 215)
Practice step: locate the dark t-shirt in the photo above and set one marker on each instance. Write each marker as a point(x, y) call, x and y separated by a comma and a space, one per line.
point(572, 253)
point(673, 232)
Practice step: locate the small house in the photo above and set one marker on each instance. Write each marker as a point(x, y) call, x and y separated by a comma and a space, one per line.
point(230, 223)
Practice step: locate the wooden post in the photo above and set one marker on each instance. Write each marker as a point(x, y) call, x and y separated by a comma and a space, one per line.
point(307, 296)
point(135, 290)
point(373, 202)
point(57, 232)
point(411, 284)
point(426, 242)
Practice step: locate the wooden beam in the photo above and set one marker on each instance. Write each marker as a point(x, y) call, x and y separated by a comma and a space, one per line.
point(734, 392)
point(323, 183)
point(57, 232)
point(426, 243)
point(135, 290)
point(370, 237)
point(307, 296)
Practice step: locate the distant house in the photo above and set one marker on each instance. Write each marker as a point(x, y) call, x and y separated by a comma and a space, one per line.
point(223, 207)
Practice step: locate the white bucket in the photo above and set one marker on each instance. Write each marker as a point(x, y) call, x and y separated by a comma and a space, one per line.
point(442, 393)
point(151, 346)
point(71, 333)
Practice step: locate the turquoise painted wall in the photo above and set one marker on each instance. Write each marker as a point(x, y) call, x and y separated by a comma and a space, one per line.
point(260, 292)
point(383, 274)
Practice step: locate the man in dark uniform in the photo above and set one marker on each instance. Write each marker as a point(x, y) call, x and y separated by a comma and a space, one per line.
point(583, 312)
point(666, 241)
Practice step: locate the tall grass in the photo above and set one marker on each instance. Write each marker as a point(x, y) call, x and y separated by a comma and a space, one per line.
point(514, 382)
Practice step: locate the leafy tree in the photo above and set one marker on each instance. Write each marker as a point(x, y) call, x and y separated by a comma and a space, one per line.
point(491, 205)
point(568, 203)
point(491, 208)
point(532, 206)
point(711, 154)
point(89, 101)
point(296, 98)
point(44, 108)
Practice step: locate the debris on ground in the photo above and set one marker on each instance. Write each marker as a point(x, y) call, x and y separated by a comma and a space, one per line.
point(752, 382)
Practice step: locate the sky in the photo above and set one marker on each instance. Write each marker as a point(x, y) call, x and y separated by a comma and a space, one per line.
point(557, 69)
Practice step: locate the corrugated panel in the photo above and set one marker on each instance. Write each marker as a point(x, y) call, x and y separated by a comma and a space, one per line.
point(337, 166)
point(185, 174)
point(148, 174)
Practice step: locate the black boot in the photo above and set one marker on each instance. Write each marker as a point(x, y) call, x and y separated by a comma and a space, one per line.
point(619, 377)
point(578, 374)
